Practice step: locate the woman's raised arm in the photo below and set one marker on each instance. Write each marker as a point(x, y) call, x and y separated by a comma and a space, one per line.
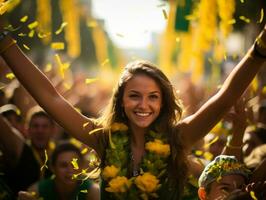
point(45, 94)
point(199, 124)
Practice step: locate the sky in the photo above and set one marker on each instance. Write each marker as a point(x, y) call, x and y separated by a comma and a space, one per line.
point(130, 23)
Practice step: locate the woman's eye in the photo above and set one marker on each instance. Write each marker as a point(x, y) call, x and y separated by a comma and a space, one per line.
point(133, 96)
point(154, 96)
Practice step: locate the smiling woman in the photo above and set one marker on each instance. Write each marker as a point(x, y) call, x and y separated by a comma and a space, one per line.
point(142, 118)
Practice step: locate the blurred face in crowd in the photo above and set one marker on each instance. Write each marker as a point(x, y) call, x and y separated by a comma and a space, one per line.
point(40, 131)
point(63, 168)
point(250, 142)
point(220, 189)
point(142, 101)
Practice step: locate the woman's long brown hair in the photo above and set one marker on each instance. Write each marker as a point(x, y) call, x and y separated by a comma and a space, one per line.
point(169, 116)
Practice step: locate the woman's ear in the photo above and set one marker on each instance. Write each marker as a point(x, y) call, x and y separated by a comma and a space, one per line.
point(202, 193)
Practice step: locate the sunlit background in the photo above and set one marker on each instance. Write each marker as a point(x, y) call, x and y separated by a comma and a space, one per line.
point(85, 44)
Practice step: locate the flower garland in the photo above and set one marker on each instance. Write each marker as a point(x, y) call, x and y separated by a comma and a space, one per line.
point(152, 167)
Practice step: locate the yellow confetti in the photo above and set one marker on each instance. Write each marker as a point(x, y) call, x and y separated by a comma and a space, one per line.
point(58, 45)
point(95, 130)
point(261, 16)
point(10, 76)
point(208, 156)
point(31, 33)
point(45, 161)
point(242, 1)
point(245, 19)
point(105, 62)
point(18, 112)
point(177, 39)
point(74, 162)
point(85, 124)
point(48, 67)
point(165, 14)
point(61, 28)
point(8, 5)
point(26, 47)
point(33, 25)
point(253, 196)
point(84, 191)
point(90, 80)
point(24, 19)
point(264, 90)
point(67, 86)
point(84, 151)
point(232, 21)
point(22, 34)
point(43, 35)
point(62, 66)
point(211, 142)
point(225, 56)
point(92, 23)
point(198, 153)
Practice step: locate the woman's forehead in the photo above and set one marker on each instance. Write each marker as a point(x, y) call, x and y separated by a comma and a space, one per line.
point(142, 81)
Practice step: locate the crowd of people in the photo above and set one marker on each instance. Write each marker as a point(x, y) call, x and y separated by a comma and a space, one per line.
point(146, 148)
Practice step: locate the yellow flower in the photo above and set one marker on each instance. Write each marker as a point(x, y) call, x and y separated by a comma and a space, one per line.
point(110, 172)
point(147, 182)
point(158, 147)
point(118, 127)
point(119, 184)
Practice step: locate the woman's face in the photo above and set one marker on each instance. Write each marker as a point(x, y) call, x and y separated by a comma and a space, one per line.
point(142, 101)
point(63, 168)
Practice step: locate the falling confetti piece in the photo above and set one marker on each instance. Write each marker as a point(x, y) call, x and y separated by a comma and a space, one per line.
point(33, 25)
point(208, 156)
point(74, 162)
point(48, 67)
point(198, 153)
point(58, 45)
point(165, 14)
point(264, 90)
point(84, 151)
point(245, 19)
point(85, 124)
point(10, 76)
point(252, 194)
point(31, 33)
point(211, 142)
point(22, 34)
point(261, 15)
point(11, 28)
point(84, 191)
point(18, 112)
point(62, 26)
point(242, 1)
point(177, 39)
point(90, 80)
point(45, 161)
point(225, 56)
point(24, 19)
point(67, 86)
point(95, 130)
point(43, 35)
point(7, 5)
point(26, 47)
point(105, 62)
point(92, 24)
point(232, 21)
